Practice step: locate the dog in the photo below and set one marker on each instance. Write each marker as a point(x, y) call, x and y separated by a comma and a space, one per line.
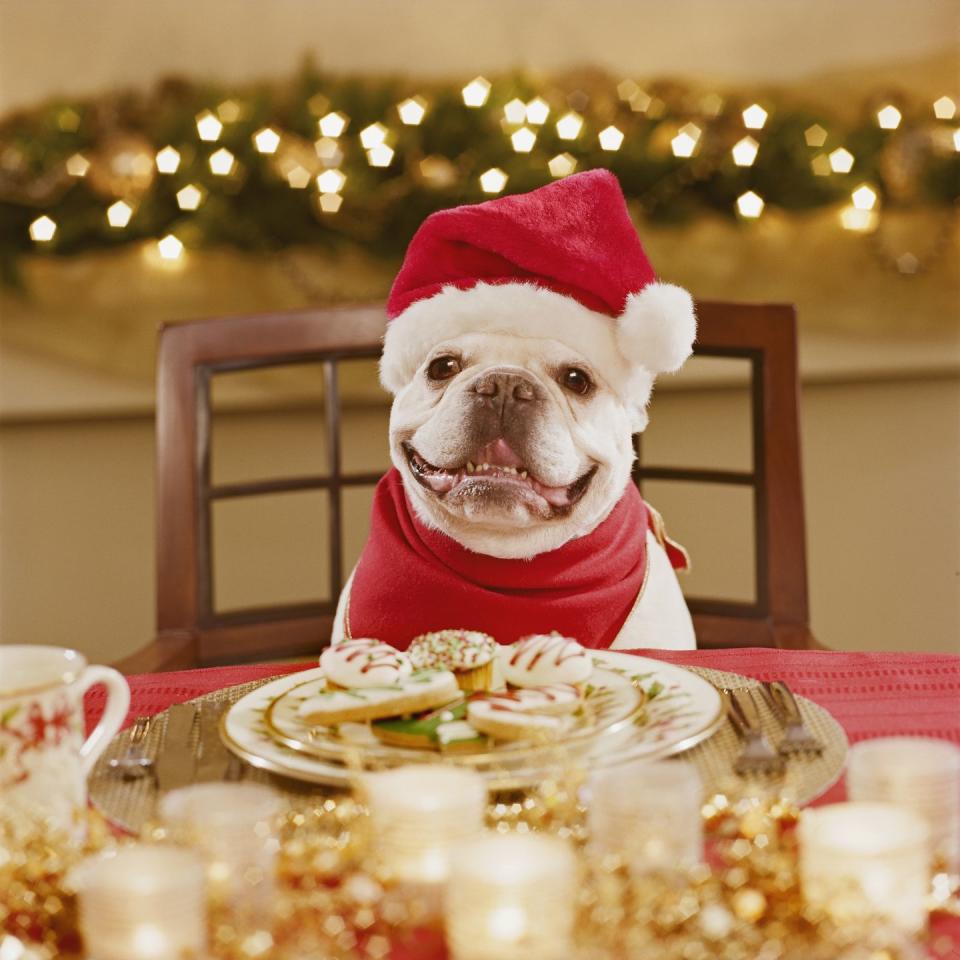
point(521, 364)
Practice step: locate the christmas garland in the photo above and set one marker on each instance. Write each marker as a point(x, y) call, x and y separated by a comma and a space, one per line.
point(332, 160)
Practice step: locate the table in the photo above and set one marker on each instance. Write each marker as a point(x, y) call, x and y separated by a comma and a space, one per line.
point(870, 694)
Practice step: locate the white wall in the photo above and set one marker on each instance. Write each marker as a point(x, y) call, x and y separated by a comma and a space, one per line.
point(49, 47)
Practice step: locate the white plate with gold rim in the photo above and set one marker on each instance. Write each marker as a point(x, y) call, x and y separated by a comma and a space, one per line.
point(682, 709)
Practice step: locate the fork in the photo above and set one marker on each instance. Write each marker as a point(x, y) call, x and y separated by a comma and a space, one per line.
point(757, 755)
point(134, 762)
point(796, 737)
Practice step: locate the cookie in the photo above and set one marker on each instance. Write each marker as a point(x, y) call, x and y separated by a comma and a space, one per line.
point(522, 713)
point(422, 690)
point(444, 729)
point(468, 653)
point(363, 662)
point(545, 658)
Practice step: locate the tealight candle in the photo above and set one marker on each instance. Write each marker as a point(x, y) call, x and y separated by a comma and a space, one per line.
point(232, 826)
point(145, 903)
point(648, 813)
point(511, 897)
point(920, 773)
point(418, 812)
point(859, 860)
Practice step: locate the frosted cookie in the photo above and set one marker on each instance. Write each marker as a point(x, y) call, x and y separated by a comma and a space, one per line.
point(444, 729)
point(545, 658)
point(419, 691)
point(359, 663)
point(468, 653)
point(522, 713)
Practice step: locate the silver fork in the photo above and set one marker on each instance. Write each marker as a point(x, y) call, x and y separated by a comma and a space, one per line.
point(796, 737)
point(757, 755)
point(134, 762)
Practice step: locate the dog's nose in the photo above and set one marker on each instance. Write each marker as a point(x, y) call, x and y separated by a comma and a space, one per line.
point(505, 385)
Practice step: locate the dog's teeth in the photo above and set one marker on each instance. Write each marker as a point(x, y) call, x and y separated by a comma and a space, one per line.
point(484, 466)
point(470, 467)
point(523, 474)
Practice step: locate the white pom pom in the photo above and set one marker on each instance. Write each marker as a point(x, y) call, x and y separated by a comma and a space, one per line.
point(657, 327)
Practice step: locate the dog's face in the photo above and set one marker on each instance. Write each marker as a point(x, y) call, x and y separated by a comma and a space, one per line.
point(512, 445)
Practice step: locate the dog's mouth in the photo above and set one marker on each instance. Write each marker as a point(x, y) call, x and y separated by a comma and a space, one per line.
point(495, 469)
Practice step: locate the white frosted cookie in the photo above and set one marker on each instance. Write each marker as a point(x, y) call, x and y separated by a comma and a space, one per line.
point(545, 658)
point(363, 662)
point(419, 691)
point(531, 712)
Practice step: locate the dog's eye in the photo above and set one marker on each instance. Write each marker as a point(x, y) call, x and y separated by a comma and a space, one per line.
point(576, 381)
point(443, 368)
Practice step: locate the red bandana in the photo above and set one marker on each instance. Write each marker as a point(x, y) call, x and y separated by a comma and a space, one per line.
point(412, 580)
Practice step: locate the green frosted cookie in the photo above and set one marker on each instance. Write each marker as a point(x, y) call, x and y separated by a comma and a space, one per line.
point(445, 729)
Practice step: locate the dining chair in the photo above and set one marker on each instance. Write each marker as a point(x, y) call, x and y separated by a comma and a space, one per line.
point(191, 632)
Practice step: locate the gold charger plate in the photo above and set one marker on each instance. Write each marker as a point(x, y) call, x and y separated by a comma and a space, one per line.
point(130, 804)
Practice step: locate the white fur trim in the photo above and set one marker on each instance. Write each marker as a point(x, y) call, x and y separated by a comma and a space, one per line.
point(657, 327)
point(519, 309)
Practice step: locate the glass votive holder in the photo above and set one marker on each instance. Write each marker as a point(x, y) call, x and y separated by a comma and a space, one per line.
point(920, 773)
point(145, 903)
point(233, 827)
point(417, 813)
point(648, 814)
point(511, 897)
point(866, 861)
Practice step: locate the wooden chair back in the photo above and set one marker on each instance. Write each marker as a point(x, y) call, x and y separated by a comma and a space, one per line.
point(191, 632)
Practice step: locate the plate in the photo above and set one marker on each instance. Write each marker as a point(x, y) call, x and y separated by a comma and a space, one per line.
point(682, 710)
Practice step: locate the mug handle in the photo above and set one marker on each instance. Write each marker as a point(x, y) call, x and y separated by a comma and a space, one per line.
point(114, 713)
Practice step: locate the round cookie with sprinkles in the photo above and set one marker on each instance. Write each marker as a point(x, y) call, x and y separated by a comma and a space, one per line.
point(467, 653)
point(546, 658)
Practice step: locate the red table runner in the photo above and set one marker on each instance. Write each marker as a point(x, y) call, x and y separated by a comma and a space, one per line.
point(870, 694)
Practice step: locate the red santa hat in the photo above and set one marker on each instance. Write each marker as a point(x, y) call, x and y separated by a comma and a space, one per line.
point(563, 262)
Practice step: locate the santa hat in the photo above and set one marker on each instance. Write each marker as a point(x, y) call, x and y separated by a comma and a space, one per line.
point(563, 262)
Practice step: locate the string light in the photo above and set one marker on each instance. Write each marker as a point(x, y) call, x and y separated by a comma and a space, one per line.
point(475, 93)
point(119, 214)
point(333, 124)
point(328, 150)
point(209, 127)
point(230, 111)
point(956, 140)
point(611, 138)
point(298, 177)
point(821, 165)
point(438, 171)
point(815, 136)
point(630, 92)
point(685, 142)
point(858, 219)
point(944, 108)
point(170, 247)
point(523, 140)
point(712, 105)
point(189, 197)
point(537, 111)
point(569, 125)
point(329, 202)
point(493, 180)
point(318, 104)
point(889, 117)
point(42, 229)
point(841, 160)
point(750, 205)
point(864, 197)
point(745, 152)
point(562, 165)
point(754, 117)
point(223, 162)
point(266, 140)
point(380, 155)
point(373, 136)
point(77, 165)
point(515, 111)
point(331, 181)
point(167, 160)
point(412, 111)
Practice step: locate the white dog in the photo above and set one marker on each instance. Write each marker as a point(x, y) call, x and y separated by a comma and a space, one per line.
point(511, 508)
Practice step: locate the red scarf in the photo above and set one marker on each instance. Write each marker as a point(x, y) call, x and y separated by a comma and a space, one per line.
point(411, 580)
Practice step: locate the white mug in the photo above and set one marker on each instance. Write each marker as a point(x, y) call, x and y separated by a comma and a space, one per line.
point(44, 758)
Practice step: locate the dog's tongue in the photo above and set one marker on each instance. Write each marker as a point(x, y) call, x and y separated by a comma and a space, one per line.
point(499, 454)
